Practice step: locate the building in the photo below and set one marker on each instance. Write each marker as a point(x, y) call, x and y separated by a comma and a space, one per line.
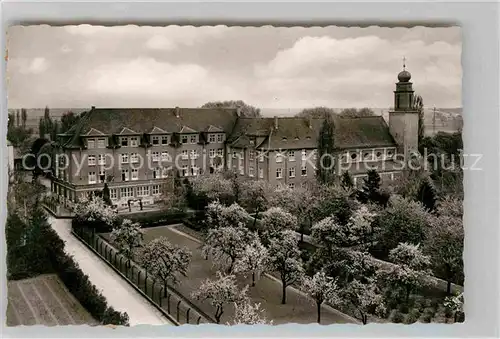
point(139, 151)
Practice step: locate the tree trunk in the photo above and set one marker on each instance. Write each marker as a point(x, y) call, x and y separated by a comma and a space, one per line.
point(283, 297)
point(255, 219)
point(407, 295)
point(448, 287)
point(218, 314)
point(165, 294)
point(230, 269)
point(253, 279)
point(318, 305)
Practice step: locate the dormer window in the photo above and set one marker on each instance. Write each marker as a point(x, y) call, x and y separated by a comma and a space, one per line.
point(220, 138)
point(193, 139)
point(155, 140)
point(164, 140)
point(284, 139)
point(211, 138)
point(101, 143)
point(184, 139)
point(134, 141)
point(91, 143)
point(124, 141)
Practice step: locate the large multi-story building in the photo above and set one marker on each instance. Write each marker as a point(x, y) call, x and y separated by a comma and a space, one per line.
point(137, 152)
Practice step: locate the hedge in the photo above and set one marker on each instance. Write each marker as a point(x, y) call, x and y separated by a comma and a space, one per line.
point(44, 253)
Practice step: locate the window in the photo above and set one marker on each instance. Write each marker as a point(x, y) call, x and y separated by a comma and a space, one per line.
point(291, 185)
point(185, 172)
point(193, 139)
point(102, 159)
point(279, 173)
point(194, 171)
point(354, 156)
point(211, 153)
point(291, 155)
point(155, 140)
point(156, 156)
point(261, 157)
point(211, 138)
point(124, 158)
point(164, 172)
point(127, 192)
point(234, 154)
point(142, 191)
point(250, 171)
point(125, 175)
point(102, 175)
point(279, 157)
point(92, 178)
point(242, 169)
point(379, 155)
point(135, 174)
point(220, 137)
point(101, 143)
point(184, 154)
point(291, 172)
point(134, 158)
point(156, 173)
point(165, 156)
point(304, 154)
point(124, 141)
point(164, 140)
point(261, 173)
point(251, 155)
point(194, 154)
point(113, 194)
point(155, 189)
point(184, 139)
point(134, 141)
point(220, 152)
point(304, 171)
point(368, 155)
point(91, 160)
point(90, 143)
point(389, 153)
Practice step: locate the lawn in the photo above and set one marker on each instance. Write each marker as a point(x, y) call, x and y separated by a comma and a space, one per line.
point(44, 300)
point(299, 308)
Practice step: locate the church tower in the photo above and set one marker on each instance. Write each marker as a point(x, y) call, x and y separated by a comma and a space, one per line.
point(403, 120)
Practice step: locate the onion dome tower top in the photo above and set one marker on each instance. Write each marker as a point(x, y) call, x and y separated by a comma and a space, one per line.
point(404, 75)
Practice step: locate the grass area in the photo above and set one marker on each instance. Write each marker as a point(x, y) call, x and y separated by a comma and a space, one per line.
point(44, 300)
point(299, 308)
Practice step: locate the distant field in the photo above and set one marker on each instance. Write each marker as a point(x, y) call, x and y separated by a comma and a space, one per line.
point(44, 300)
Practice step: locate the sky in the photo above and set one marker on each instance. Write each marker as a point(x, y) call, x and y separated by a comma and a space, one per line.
point(267, 67)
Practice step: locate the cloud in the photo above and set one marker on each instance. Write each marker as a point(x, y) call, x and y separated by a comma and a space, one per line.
point(29, 66)
point(160, 42)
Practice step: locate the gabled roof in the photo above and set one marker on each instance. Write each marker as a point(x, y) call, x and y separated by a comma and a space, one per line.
point(213, 128)
point(93, 132)
point(157, 130)
point(127, 131)
point(186, 129)
point(141, 120)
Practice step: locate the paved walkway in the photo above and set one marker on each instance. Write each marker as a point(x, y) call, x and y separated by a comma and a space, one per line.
point(119, 294)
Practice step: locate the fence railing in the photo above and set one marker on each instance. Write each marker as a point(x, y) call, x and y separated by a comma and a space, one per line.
point(164, 297)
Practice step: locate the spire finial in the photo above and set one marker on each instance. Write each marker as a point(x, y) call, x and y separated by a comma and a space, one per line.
point(404, 63)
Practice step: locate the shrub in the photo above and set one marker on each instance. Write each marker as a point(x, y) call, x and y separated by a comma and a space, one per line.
point(426, 318)
point(403, 308)
point(397, 317)
point(412, 318)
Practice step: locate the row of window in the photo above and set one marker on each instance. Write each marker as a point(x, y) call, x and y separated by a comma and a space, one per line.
point(291, 172)
point(279, 156)
point(128, 192)
point(156, 140)
point(369, 155)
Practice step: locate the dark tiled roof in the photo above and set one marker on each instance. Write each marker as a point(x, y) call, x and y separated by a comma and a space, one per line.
point(295, 133)
point(112, 121)
point(362, 132)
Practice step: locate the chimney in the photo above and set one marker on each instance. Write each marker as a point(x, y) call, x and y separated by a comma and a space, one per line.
point(177, 112)
point(275, 122)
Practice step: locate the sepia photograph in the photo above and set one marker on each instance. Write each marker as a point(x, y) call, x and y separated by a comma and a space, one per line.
point(234, 175)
